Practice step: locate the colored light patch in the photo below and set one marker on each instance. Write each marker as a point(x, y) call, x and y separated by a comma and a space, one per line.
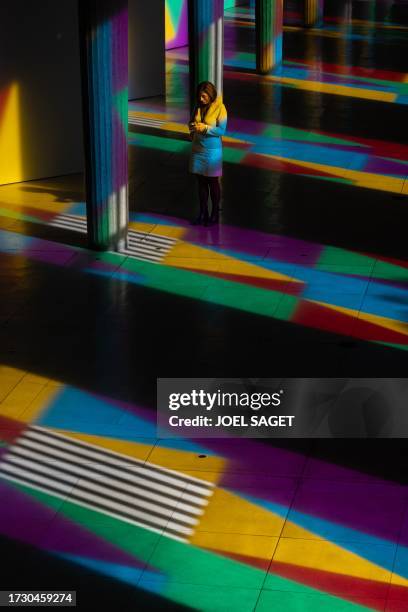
point(176, 23)
point(75, 410)
point(210, 598)
point(59, 535)
point(288, 133)
point(375, 181)
point(311, 601)
point(357, 590)
point(331, 557)
point(399, 327)
point(256, 550)
point(364, 93)
point(365, 326)
point(46, 397)
point(390, 271)
point(287, 287)
point(228, 513)
point(77, 209)
point(131, 539)
point(129, 575)
point(220, 262)
point(233, 156)
point(9, 378)
point(386, 301)
point(376, 550)
point(158, 142)
point(315, 154)
point(333, 256)
point(11, 429)
point(11, 154)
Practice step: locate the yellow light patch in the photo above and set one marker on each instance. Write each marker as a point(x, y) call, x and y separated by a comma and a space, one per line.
point(133, 450)
point(193, 263)
point(339, 90)
point(11, 170)
point(20, 398)
point(141, 227)
point(228, 513)
point(171, 231)
point(258, 547)
point(375, 181)
point(185, 255)
point(147, 115)
point(173, 126)
point(9, 378)
point(16, 197)
point(189, 463)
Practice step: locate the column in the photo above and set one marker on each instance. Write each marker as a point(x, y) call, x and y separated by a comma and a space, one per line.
point(268, 29)
point(206, 43)
point(313, 13)
point(104, 67)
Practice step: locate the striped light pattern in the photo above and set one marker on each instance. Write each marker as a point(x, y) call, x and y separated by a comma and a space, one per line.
point(104, 64)
point(206, 43)
point(313, 13)
point(127, 489)
point(141, 245)
point(268, 27)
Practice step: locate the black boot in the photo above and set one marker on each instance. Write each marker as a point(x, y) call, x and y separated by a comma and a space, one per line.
point(202, 218)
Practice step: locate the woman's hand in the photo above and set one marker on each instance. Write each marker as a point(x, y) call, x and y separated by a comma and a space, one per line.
point(201, 128)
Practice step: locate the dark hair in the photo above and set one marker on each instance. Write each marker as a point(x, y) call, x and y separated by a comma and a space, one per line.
point(208, 88)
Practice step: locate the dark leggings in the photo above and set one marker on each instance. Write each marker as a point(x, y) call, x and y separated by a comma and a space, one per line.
point(211, 185)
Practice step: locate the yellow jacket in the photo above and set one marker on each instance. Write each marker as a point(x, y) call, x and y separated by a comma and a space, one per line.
point(215, 118)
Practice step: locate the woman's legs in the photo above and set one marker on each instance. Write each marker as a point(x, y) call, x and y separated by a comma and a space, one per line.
point(202, 184)
point(208, 185)
point(215, 192)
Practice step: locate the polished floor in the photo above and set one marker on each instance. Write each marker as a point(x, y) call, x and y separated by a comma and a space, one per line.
point(307, 275)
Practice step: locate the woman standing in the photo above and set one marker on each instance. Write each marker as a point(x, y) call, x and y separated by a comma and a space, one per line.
point(207, 126)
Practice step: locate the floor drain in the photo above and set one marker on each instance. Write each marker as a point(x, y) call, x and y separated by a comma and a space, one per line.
point(202, 456)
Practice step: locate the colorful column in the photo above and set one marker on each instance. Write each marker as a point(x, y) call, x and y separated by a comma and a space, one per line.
point(206, 43)
point(313, 13)
point(104, 66)
point(269, 30)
